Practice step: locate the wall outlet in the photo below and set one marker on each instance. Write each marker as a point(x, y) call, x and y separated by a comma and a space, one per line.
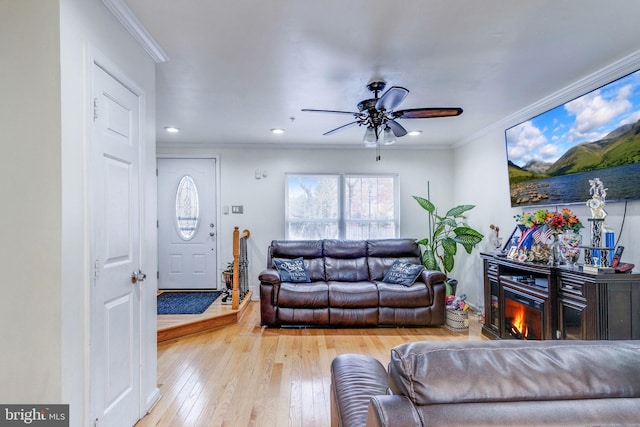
point(238, 209)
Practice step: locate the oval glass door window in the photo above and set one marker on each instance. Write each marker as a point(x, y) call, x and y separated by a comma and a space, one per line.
point(187, 208)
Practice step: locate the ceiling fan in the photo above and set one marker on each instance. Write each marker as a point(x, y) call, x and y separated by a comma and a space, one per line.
point(379, 116)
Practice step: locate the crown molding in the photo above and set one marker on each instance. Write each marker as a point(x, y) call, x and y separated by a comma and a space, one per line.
point(611, 72)
point(132, 24)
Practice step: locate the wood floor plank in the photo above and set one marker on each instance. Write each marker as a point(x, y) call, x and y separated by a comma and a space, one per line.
point(247, 375)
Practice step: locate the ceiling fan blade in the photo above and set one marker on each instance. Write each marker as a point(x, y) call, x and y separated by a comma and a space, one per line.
point(353, 113)
point(392, 98)
point(425, 113)
point(343, 127)
point(396, 128)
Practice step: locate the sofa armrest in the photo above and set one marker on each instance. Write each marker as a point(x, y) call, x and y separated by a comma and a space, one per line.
point(434, 280)
point(431, 277)
point(390, 411)
point(270, 275)
point(355, 379)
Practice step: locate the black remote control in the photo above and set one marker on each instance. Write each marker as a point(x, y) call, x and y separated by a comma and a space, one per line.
point(616, 256)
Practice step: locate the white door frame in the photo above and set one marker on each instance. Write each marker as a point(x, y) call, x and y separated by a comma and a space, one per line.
point(216, 158)
point(148, 353)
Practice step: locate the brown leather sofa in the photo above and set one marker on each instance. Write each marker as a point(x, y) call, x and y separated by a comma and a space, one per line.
point(490, 383)
point(346, 287)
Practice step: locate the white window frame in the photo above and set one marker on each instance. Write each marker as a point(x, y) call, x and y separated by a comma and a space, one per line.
point(342, 205)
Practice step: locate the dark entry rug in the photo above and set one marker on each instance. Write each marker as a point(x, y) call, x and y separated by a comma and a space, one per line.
point(185, 302)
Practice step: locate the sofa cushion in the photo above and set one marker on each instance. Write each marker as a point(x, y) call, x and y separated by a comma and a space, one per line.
point(346, 270)
point(403, 273)
point(292, 270)
point(309, 250)
point(295, 249)
point(353, 294)
point(382, 253)
point(346, 260)
point(303, 316)
point(391, 295)
point(305, 295)
point(403, 316)
point(353, 317)
point(511, 370)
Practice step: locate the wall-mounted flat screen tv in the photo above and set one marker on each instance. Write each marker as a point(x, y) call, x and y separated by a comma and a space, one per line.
point(552, 157)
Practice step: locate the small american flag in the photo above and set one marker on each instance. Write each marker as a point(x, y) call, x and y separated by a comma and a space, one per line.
point(542, 236)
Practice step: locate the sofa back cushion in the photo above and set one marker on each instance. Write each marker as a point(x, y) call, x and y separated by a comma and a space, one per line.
point(309, 250)
point(383, 253)
point(346, 260)
point(512, 370)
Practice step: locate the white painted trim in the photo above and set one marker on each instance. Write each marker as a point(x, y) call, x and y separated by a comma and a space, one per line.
point(614, 71)
point(95, 58)
point(175, 146)
point(132, 24)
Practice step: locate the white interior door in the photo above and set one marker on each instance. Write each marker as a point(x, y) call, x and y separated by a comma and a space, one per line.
point(115, 218)
point(186, 224)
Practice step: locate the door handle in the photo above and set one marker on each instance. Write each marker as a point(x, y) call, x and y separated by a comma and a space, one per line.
point(138, 276)
point(212, 234)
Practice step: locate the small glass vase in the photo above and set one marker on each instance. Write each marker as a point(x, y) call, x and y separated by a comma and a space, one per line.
point(555, 249)
point(570, 248)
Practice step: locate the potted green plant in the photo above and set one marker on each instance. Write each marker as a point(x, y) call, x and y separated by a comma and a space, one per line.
point(445, 234)
point(228, 275)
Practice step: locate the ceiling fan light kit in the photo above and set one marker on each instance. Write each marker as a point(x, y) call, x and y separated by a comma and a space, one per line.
point(379, 116)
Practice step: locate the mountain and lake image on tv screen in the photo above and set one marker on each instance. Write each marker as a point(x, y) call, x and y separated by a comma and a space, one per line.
point(552, 157)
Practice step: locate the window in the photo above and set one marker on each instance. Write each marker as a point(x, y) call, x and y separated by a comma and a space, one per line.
point(333, 206)
point(187, 208)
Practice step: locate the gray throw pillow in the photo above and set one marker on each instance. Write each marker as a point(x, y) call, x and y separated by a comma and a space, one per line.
point(403, 273)
point(292, 270)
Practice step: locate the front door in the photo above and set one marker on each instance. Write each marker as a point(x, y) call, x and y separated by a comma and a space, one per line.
point(115, 220)
point(186, 223)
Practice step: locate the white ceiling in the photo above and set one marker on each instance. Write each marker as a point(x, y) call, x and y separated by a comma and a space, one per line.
point(238, 68)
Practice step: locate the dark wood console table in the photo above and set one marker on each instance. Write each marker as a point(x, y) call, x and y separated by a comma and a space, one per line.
point(572, 304)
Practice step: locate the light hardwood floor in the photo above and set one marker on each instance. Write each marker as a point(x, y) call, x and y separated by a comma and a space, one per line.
point(245, 375)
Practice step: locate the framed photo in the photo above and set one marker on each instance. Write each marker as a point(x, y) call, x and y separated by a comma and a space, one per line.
point(514, 238)
point(513, 252)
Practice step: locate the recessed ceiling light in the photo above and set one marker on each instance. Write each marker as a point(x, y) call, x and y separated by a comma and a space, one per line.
point(415, 132)
point(171, 129)
point(277, 131)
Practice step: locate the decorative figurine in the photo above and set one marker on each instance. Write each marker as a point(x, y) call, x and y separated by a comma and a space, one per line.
point(597, 201)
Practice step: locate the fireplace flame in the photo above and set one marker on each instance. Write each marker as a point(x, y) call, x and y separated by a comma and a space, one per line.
point(518, 323)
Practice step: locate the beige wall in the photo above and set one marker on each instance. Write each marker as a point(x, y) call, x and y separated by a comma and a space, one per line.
point(263, 199)
point(31, 213)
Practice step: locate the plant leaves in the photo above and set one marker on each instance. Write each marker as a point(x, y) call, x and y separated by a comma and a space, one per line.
point(438, 230)
point(450, 246)
point(459, 210)
point(447, 262)
point(467, 237)
point(426, 204)
point(468, 231)
point(450, 222)
point(423, 242)
point(429, 260)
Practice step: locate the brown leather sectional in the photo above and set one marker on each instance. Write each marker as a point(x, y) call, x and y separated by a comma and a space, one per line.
point(490, 383)
point(346, 287)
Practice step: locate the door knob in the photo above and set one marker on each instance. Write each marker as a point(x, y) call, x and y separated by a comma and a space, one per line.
point(212, 234)
point(138, 276)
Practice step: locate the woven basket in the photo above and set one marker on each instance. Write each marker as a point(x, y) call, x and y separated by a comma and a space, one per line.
point(457, 321)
